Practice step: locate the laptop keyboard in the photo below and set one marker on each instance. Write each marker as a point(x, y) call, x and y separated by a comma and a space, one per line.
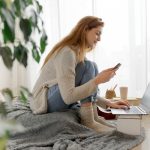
point(133, 110)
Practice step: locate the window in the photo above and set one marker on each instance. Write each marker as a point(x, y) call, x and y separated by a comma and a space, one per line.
point(125, 37)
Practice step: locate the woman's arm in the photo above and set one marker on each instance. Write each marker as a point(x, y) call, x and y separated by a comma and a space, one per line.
point(102, 102)
point(65, 65)
point(110, 103)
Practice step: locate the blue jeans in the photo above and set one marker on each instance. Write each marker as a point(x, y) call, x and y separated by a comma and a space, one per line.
point(84, 72)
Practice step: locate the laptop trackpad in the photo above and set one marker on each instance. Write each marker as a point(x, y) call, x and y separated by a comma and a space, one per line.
point(118, 111)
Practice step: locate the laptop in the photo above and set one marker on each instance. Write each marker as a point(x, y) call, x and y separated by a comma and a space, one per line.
point(143, 108)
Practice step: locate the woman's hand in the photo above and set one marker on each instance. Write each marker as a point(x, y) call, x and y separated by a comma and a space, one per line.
point(105, 76)
point(121, 104)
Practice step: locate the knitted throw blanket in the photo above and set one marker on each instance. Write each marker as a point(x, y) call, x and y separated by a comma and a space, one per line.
point(62, 131)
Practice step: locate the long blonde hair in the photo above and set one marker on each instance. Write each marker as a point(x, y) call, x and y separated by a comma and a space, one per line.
point(77, 37)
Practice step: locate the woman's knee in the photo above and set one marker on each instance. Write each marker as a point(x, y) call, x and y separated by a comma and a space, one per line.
point(91, 66)
point(85, 71)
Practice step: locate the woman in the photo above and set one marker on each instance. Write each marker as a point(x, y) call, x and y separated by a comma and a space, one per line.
point(72, 79)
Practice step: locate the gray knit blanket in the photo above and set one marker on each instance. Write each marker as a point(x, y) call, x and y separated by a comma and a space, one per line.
point(62, 131)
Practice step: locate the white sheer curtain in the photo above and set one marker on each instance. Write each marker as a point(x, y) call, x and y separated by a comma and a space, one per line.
point(125, 39)
point(148, 40)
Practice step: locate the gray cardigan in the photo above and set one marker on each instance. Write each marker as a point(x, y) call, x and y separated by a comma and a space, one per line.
point(60, 69)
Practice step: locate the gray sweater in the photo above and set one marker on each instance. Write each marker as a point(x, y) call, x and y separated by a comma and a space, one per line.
point(60, 69)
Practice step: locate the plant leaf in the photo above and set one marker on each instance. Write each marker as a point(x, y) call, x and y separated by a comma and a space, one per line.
point(7, 93)
point(7, 16)
point(23, 5)
point(43, 42)
point(39, 7)
point(25, 90)
point(2, 4)
point(6, 54)
point(16, 7)
point(8, 34)
point(33, 19)
point(3, 110)
point(27, 2)
point(23, 98)
point(9, 25)
point(36, 55)
point(25, 26)
point(21, 54)
point(24, 94)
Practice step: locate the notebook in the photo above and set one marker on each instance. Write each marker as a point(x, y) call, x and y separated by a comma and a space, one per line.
point(143, 108)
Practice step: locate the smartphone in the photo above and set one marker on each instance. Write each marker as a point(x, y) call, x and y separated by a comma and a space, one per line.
point(117, 66)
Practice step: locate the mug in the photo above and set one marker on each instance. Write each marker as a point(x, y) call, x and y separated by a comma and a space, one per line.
point(123, 92)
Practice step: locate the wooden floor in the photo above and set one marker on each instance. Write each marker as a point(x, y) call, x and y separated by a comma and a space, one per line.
point(145, 145)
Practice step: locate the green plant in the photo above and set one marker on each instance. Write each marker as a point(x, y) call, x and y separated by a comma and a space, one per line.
point(19, 17)
point(19, 21)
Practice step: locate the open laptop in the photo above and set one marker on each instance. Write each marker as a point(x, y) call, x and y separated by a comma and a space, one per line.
point(143, 108)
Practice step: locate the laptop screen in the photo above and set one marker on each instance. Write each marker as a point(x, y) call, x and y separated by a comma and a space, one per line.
point(146, 98)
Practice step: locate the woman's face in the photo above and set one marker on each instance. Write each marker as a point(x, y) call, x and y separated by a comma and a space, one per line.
point(93, 36)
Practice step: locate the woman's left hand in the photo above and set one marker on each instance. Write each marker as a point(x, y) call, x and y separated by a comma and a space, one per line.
point(121, 104)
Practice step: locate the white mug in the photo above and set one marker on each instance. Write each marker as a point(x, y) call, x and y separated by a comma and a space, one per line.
point(123, 92)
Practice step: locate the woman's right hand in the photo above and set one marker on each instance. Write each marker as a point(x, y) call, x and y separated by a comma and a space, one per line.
point(105, 76)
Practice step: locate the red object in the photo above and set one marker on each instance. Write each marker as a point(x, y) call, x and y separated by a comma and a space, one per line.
point(106, 115)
